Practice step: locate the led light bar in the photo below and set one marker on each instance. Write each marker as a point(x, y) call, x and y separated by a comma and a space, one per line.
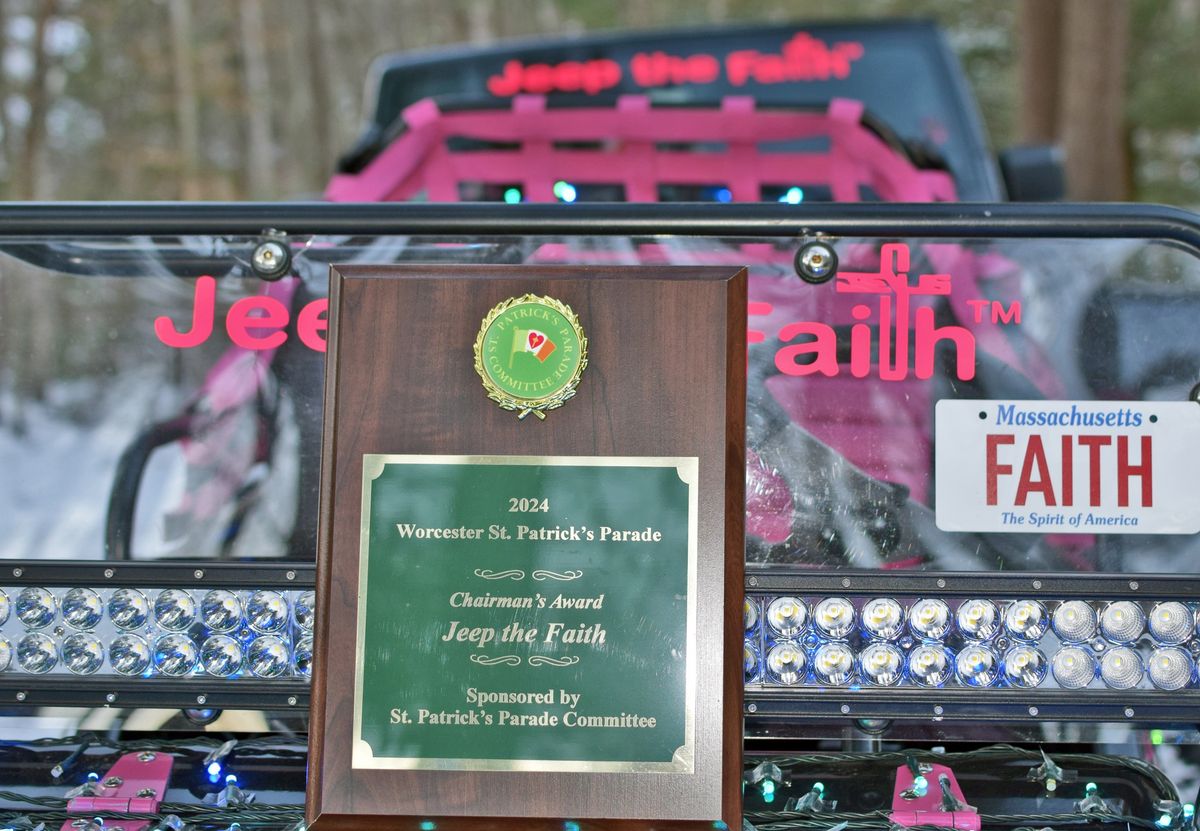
point(978, 643)
point(156, 634)
point(165, 633)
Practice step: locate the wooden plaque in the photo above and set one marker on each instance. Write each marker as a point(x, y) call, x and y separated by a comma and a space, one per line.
point(530, 554)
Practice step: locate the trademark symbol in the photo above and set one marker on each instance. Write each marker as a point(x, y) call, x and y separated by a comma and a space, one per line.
point(995, 311)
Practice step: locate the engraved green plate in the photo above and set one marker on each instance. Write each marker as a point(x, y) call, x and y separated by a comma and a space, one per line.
point(526, 613)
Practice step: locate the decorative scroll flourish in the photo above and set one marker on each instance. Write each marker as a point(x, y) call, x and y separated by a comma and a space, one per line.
point(542, 660)
point(546, 574)
point(510, 660)
point(510, 574)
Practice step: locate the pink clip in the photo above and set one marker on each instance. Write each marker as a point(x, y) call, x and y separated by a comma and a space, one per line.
point(135, 784)
point(927, 809)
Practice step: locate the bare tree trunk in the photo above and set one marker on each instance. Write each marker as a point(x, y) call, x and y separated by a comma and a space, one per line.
point(480, 28)
point(1040, 35)
point(1092, 124)
point(257, 85)
point(319, 84)
point(187, 102)
point(32, 185)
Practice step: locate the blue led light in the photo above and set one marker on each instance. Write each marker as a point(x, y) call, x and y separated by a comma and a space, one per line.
point(793, 196)
point(512, 196)
point(214, 770)
point(768, 790)
point(724, 195)
point(1163, 821)
point(570, 825)
point(428, 825)
point(921, 786)
point(231, 779)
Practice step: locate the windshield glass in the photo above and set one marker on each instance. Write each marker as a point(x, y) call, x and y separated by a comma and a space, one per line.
point(144, 413)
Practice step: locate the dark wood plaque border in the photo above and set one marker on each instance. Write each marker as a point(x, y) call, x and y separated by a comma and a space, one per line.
point(666, 377)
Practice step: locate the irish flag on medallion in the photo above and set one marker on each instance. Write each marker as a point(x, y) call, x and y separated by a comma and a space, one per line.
point(531, 340)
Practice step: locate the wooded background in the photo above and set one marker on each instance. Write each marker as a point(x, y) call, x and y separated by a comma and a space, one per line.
point(254, 99)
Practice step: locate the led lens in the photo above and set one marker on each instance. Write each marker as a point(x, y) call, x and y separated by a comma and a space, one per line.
point(1026, 620)
point(977, 666)
point(1122, 621)
point(268, 657)
point(1073, 667)
point(882, 664)
point(306, 604)
point(6, 652)
point(82, 652)
point(1171, 622)
point(1121, 668)
point(36, 607)
point(834, 616)
point(883, 618)
point(787, 616)
point(221, 656)
point(175, 610)
point(1170, 668)
point(1024, 666)
point(304, 656)
point(978, 619)
point(929, 618)
point(1075, 621)
point(82, 609)
point(4, 610)
point(221, 610)
point(175, 655)
point(37, 653)
point(267, 612)
point(785, 663)
point(833, 663)
point(749, 613)
point(128, 609)
point(749, 661)
point(930, 664)
point(129, 655)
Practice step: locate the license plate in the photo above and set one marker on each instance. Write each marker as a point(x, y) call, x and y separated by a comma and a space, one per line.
point(1110, 467)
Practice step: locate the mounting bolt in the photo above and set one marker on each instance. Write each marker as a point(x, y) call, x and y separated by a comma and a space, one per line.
point(291, 701)
point(937, 709)
point(845, 708)
point(113, 782)
point(291, 575)
point(147, 793)
point(202, 699)
point(271, 258)
point(1128, 712)
point(1133, 585)
point(79, 823)
point(198, 574)
point(845, 582)
point(751, 707)
point(1037, 584)
point(753, 581)
point(147, 756)
point(941, 584)
point(1033, 711)
point(17, 572)
point(108, 573)
point(816, 262)
point(21, 696)
point(110, 698)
